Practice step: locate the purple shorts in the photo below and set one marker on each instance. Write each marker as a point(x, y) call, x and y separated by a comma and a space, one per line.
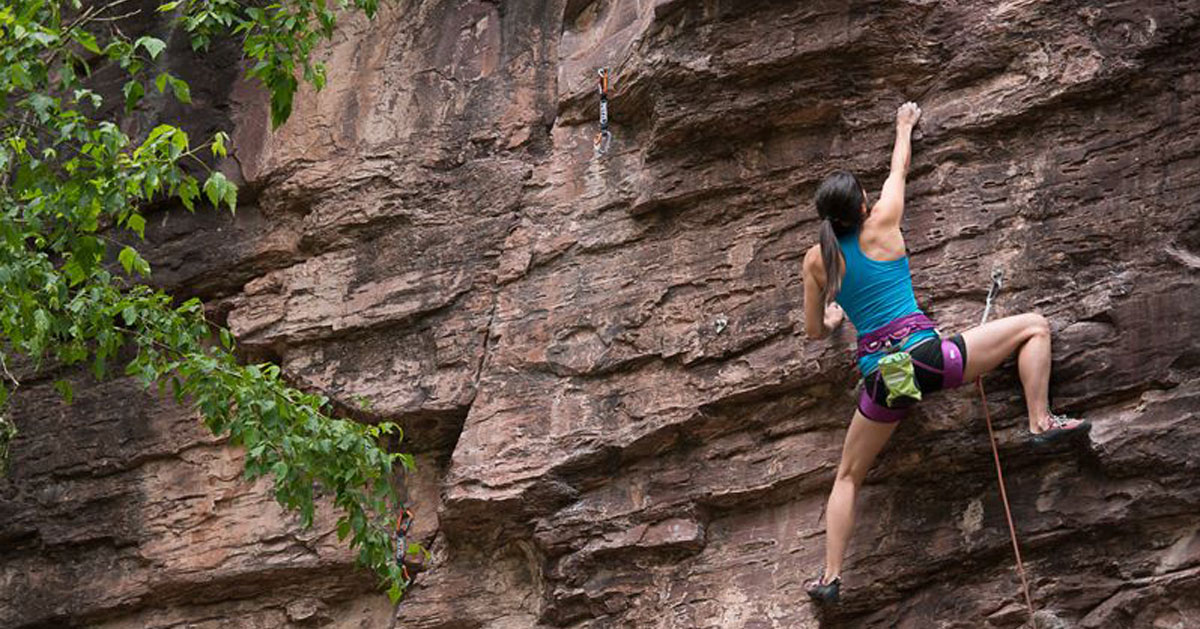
point(938, 363)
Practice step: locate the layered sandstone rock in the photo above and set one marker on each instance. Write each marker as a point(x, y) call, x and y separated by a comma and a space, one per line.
point(601, 360)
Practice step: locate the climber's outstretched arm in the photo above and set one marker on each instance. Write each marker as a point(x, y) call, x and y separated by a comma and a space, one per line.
point(890, 207)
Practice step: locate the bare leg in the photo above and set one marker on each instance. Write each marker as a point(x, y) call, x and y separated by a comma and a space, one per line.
point(864, 440)
point(1029, 335)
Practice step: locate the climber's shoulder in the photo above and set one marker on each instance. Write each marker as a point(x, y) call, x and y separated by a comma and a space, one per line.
point(812, 258)
point(814, 266)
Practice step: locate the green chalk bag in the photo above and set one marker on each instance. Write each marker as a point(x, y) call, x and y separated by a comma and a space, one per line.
point(898, 376)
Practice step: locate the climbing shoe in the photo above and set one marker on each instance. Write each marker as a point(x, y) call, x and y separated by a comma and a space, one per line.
point(1061, 428)
point(824, 593)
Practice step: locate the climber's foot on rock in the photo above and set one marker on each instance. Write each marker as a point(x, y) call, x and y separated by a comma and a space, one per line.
point(823, 591)
point(1058, 428)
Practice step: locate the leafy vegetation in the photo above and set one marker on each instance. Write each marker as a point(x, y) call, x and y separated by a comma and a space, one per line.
point(72, 185)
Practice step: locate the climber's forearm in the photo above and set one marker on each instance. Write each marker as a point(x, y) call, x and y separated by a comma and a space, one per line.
point(901, 151)
point(890, 207)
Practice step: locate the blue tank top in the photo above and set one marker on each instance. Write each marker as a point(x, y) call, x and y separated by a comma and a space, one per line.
point(874, 293)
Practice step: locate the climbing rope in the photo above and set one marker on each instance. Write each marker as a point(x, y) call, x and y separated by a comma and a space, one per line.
point(604, 137)
point(997, 278)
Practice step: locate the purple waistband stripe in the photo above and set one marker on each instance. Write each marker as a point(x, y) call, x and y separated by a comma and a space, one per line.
point(894, 331)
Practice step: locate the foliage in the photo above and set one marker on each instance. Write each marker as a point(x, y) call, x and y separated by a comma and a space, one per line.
point(72, 185)
point(279, 37)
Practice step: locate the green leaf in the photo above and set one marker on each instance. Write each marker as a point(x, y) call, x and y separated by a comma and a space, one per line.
point(214, 188)
point(282, 88)
point(220, 190)
point(137, 224)
point(230, 196)
point(160, 81)
point(64, 389)
point(44, 38)
point(99, 366)
point(133, 91)
point(74, 272)
point(152, 45)
point(158, 132)
point(179, 142)
point(87, 40)
point(189, 190)
point(218, 144)
point(182, 92)
point(170, 6)
point(133, 262)
point(41, 104)
point(127, 258)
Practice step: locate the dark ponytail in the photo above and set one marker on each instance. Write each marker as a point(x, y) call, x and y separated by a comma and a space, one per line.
point(835, 264)
point(839, 199)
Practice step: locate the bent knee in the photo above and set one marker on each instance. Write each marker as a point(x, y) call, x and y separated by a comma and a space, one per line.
point(1036, 324)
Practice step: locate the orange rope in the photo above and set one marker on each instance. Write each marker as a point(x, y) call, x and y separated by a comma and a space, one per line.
point(1012, 529)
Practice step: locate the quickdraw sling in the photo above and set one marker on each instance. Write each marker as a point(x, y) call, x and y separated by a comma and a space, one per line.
point(400, 539)
point(604, 137)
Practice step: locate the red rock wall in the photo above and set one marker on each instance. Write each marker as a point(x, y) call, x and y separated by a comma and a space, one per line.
point(433, 233)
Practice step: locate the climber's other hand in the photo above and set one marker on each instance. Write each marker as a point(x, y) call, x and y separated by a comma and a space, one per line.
point(833, 316)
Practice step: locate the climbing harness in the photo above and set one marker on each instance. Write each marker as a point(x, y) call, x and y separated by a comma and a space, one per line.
point(896, 368)
point(997, 279)
point(894, 333)
point(604, 137)
point(400, 538)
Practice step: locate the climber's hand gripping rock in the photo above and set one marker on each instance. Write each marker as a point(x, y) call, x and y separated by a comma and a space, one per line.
point(908, 114)
point(833, 316)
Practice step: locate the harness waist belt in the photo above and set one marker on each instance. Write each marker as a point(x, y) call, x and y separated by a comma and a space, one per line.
point(892, 332)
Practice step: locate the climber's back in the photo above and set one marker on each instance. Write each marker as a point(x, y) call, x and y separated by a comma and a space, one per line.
point(875, 291)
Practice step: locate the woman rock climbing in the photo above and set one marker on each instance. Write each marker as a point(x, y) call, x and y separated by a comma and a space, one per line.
point(861, 263)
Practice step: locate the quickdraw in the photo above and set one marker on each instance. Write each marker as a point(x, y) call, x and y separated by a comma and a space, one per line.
point(604, 137)
point(997, 283)
point(400, 538)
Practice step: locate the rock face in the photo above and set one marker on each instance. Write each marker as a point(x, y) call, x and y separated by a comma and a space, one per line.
point(601, 360)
